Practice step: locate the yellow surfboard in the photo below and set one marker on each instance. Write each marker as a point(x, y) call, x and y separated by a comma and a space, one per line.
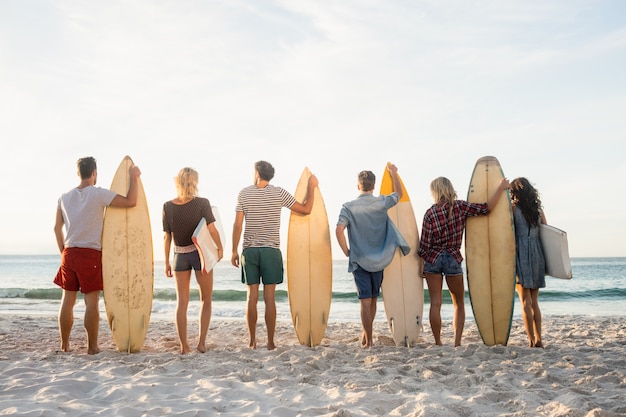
point(403, 288)
point(490, 255)
point(309, 268)
point(127, 266)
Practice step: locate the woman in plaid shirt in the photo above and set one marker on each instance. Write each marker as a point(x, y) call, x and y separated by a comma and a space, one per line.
point(440, 247)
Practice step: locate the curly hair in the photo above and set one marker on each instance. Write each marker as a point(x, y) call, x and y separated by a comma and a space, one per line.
point(526, 198)
point(265, 170)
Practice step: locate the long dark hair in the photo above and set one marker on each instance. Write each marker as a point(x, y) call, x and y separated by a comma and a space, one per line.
point(526, 198)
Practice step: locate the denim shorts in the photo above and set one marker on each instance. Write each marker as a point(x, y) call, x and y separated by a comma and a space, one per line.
point(187, 261)
point(367, 283)
point(444, 264)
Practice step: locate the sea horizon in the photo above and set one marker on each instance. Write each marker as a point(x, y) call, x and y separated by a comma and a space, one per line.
point(598, 288)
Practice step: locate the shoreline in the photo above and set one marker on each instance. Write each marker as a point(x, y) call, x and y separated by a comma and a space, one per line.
point(581, 372)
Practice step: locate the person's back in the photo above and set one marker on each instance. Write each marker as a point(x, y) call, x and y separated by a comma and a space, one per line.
point(262, 208)
point(368, 227)
point(83, 212)
point(372, 242)
point(261, 260)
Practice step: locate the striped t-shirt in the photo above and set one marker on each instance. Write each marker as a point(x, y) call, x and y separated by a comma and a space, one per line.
point(261, 208)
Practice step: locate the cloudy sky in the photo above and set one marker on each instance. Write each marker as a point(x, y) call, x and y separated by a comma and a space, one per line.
point(338, 86)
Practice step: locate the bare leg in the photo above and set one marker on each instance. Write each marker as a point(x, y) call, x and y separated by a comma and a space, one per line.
point(368, 312)
point(435, 285)
point(205, 283)
point(457, 292)
point(534, 293)
point(251, 313)
point(527, 312)
point(182, 302)
point(92, 321)
point(66, 318)
point(269, 296)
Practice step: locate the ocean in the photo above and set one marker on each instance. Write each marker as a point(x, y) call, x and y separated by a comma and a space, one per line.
point(598, 288)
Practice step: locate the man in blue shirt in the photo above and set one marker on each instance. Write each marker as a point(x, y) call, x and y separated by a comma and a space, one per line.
point(373, 241)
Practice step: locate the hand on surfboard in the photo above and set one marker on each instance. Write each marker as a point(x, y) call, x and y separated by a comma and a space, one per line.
point(134, 171)
point(392, 168)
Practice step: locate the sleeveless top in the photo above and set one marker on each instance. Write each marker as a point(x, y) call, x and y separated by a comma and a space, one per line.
point(530, 264)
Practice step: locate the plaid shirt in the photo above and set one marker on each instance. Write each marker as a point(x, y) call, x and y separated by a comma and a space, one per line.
point(439, 234)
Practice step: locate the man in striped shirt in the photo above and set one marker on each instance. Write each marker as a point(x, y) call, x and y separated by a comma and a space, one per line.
point(261, 260)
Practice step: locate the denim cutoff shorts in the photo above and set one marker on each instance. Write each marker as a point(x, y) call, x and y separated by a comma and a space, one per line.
point(444, 264)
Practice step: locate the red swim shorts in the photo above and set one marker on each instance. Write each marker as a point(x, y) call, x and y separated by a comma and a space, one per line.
point(81, 269)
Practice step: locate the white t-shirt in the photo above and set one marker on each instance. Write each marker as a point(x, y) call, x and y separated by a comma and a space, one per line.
point(83, 214)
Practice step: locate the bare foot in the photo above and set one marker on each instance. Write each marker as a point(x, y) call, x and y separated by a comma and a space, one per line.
point(93, 351)
point(365, 343)
point(201, 348)
point(538, 344)
point(184, 349)
point(252, 344)
point(271, 346)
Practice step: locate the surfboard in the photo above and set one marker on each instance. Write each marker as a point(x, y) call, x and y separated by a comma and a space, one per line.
point(205, 243)
point(490, 255)
point(309, 267)
point(127, 265)
point(403, 288)
point(555, 251)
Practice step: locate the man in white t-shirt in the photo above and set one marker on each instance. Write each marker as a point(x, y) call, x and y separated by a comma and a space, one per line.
point(81, 211)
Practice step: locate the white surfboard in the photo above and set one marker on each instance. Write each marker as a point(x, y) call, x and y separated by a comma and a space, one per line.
point(207, 248)
point(127, 265)
point(555, 251)
point(403, 288)
point(490, 255)
point(309, 268)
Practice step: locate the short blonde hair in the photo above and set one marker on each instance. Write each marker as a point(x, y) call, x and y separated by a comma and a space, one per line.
point(186, 183)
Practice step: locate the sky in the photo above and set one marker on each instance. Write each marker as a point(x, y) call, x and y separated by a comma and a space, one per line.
point(335, 86)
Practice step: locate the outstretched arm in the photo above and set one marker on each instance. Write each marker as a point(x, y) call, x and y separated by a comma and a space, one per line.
point(307, 205)
point(131, 199)
point(397, 185)
point(491, 204)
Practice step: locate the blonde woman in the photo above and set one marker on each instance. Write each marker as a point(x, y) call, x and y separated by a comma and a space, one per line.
point(440, 247)
point(180, 218)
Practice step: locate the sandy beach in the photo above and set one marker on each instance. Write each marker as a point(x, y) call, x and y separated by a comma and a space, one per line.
point(581, 372)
